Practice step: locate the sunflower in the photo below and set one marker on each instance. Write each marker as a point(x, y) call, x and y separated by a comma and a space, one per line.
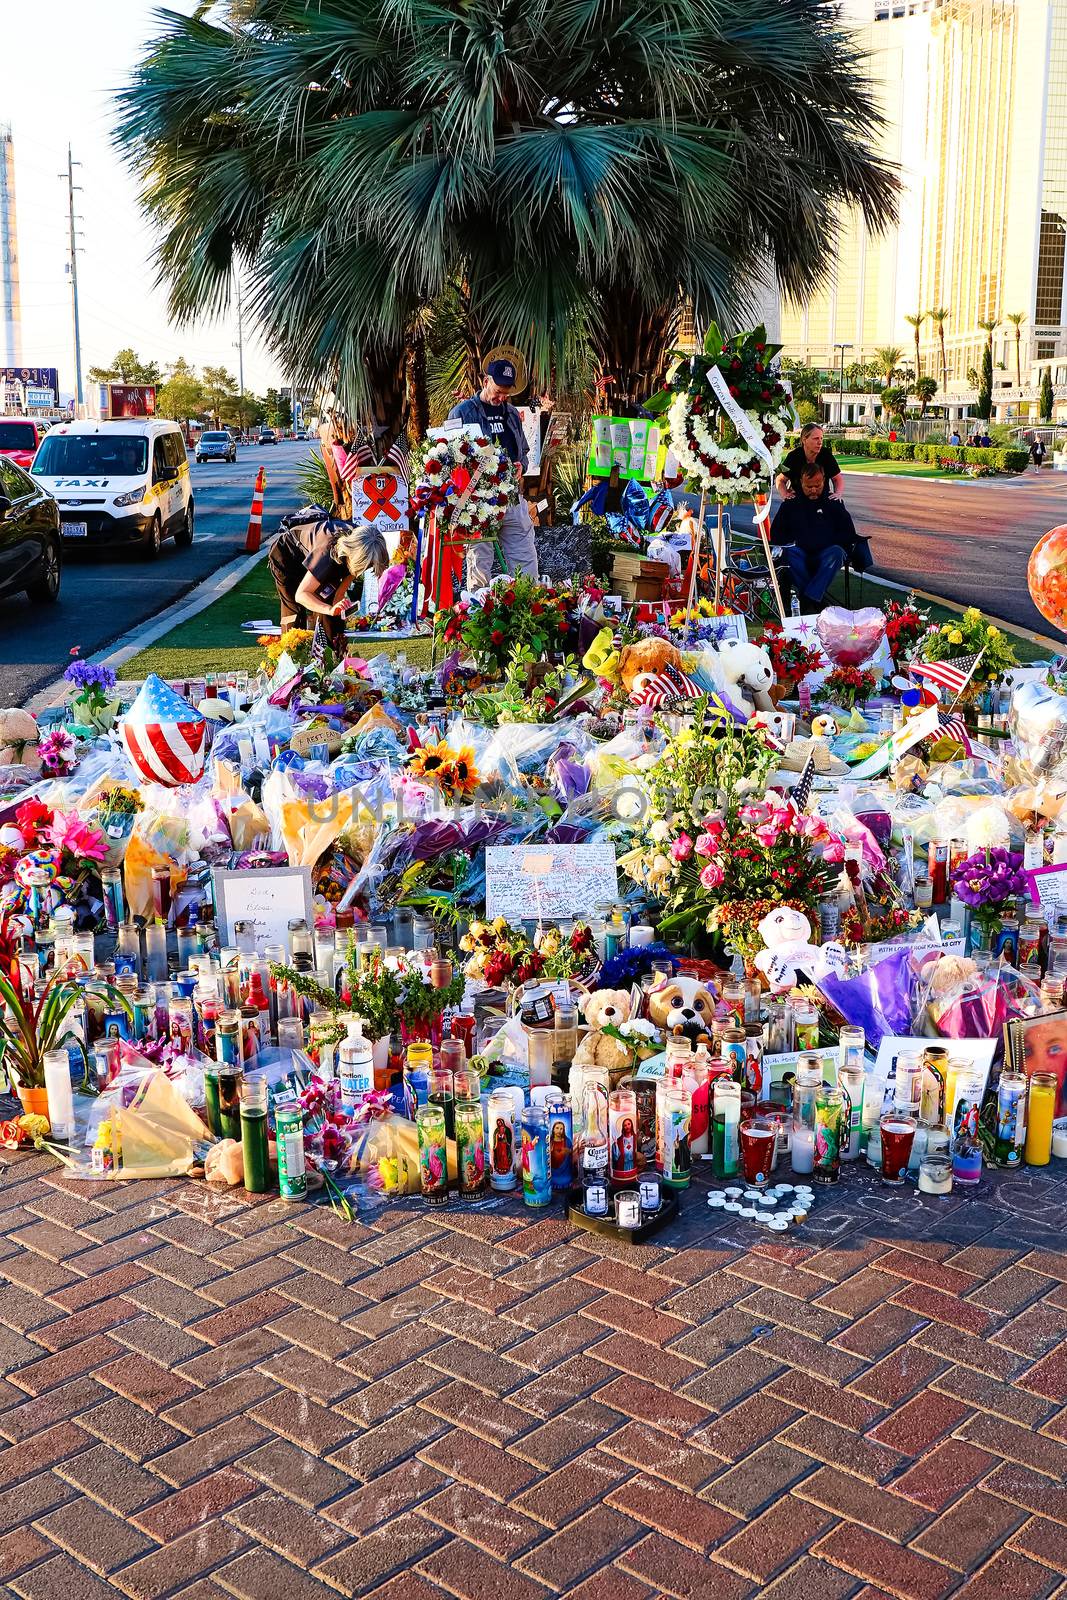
point(462, 777)
point(427, 761)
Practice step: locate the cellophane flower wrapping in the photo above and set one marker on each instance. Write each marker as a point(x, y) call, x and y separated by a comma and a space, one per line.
point(878, 1000)
point(960, 1003)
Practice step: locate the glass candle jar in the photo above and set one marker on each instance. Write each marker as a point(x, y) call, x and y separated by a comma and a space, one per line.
point(1040, 1113)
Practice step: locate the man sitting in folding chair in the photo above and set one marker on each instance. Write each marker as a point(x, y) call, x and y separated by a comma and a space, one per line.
point(818, 537)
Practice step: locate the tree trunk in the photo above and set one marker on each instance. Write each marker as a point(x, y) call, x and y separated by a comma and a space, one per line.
point(632, 340)
point(418, 400)
point(387, 421)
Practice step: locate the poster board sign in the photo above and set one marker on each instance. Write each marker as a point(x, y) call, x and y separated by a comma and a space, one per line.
point(548, 881)
point(268, 897)
point(629, 443)
point(1048, 888)
point(380, 497)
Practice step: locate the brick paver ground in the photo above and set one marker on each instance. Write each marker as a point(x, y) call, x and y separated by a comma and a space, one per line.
point(205, 1394)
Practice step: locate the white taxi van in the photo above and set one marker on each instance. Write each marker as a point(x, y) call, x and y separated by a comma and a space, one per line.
point(124, 482)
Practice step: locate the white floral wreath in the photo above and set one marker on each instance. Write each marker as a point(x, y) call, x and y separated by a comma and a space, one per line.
point(477, 511)
point(730, 472)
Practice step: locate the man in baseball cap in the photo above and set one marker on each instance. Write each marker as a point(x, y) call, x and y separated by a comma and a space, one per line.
point(490, 409)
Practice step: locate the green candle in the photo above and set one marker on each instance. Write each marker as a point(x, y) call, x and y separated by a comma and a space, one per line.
point(254, 1134)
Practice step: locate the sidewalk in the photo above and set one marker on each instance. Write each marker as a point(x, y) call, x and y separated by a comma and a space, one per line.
point(209, 1395)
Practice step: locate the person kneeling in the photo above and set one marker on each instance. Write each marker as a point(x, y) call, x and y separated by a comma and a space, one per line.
point(817, 536)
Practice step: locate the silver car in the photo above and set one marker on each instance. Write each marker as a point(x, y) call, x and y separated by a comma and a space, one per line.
point(216, 447)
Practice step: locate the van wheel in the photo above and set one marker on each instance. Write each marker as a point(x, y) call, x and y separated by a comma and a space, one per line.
point(184, 537)
point(154, 542)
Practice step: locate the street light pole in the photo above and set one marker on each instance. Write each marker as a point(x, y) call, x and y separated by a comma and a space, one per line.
point(841, 385)
point(71, 188)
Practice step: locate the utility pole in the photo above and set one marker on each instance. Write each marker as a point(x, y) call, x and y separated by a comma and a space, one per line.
point(240, 342)
point(841, 385)
point(71, 187)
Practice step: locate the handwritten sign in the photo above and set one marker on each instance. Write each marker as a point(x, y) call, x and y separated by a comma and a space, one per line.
point(1048, 887)
point(267, 897)
point(380, 497)
point(549, 881)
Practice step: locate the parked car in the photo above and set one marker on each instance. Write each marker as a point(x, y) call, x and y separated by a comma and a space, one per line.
point(31, 554)
point(19, 438)
point(301, 434)
point(267, 436)
point(216, 447)
point(125, 482)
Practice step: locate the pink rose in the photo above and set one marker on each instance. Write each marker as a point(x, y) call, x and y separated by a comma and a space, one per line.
point(753, 813)
point(834, 852)
point(768, 834)
point(712, 875)
point(707, 844)
point(682, 847)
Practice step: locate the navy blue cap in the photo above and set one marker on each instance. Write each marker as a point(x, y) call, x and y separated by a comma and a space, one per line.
point(502, 372)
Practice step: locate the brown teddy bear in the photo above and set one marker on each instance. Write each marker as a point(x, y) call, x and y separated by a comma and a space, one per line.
point(598, 1049)
point(684, 1004)
point(18, 740)
point(647, 656)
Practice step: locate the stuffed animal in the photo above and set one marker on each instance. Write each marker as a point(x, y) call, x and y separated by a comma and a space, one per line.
point(747, 675)
point(644, 659)
point(225, 1163)
point(598, 1049)
point(18, 740)
point(683, 1004)
point(786, 932)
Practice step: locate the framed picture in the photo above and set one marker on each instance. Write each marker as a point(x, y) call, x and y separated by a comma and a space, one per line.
point(1039, 1044)
point(268, 897)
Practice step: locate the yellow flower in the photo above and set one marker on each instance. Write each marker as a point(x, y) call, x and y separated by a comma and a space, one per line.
point(428, 759)
point(994, 633)
point(955, 637)
point(462, 776)
point(972, 614)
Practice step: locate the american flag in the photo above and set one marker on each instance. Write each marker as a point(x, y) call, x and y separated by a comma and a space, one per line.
point(398, 455)
point(352, 457)
point(951, 723)
point(663, 688)
point(319, 643)
point(951, 675)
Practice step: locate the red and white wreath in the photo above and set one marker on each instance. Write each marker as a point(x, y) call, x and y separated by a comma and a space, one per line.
point(471, 477)
point(707, 442)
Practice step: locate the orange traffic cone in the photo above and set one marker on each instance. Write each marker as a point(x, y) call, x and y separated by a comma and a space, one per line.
point(255, 518)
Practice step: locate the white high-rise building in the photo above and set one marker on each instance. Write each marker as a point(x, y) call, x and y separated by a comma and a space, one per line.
point(974, 93)
point(10, 300)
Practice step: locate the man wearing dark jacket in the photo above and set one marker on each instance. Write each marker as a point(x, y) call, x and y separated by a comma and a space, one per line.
point(492, 411)
point(817, 535)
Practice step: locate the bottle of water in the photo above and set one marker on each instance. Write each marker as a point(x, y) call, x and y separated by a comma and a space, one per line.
point(794, 605)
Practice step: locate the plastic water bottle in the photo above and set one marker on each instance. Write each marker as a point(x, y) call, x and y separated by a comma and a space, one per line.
point(794, 605)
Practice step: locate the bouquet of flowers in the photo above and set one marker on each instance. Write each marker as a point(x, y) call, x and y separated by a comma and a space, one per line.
point(905, 625)
point(93, 703)
point(500, 954)
point(452, 773)
point(294, 642)
point(844, 686)
point(515, 612)
point(989, 882)
point(969, 635)
point(791, 658)
point(471, 478)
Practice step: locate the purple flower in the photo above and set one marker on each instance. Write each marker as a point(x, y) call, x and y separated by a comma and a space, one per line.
point(88, 675)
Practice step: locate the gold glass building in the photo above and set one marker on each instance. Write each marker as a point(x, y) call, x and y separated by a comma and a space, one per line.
point(974, 93)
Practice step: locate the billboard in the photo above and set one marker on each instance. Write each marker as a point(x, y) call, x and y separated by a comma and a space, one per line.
point(130, 400)
point(35, 377)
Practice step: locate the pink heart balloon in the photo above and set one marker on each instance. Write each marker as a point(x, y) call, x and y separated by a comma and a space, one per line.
point(850, 637)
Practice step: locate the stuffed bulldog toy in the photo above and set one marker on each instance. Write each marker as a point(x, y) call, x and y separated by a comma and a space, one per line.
point(684, 1005)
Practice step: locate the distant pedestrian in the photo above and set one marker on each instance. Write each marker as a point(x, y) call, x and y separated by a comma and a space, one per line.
point(984, 442)
point(954, 436)
point(1037, 454)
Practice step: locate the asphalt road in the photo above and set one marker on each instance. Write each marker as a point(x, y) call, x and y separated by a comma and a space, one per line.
point(967, 541)
point(104, 596)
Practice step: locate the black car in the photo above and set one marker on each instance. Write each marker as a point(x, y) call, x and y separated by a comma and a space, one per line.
point(216, 447)
point(31, 557)
point(267, 436)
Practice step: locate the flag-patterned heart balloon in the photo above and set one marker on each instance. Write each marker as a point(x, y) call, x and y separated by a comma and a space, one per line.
point(164, 736)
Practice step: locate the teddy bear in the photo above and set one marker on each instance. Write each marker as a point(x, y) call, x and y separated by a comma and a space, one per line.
point(599, 1049)
point(747, 674)
point(786, 933)
point(18, 740)
point(683, 1005)
point(644, 659)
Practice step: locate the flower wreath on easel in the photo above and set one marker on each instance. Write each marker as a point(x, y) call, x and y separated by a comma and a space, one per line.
point(708, 443)
point(473, 509)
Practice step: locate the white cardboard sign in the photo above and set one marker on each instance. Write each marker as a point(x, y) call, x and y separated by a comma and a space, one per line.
point(268, 897)
point(548, 881)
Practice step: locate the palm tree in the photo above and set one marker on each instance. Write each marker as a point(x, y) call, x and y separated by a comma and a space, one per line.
point(916, 322)
point(939, 316)
point(1017, 318)
point(925, 389)
point(889, 358)
point(360, 159)
point(989, 326)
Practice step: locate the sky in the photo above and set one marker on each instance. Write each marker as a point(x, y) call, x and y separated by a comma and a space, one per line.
point(62, 62)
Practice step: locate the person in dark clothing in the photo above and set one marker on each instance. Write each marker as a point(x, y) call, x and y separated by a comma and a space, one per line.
point(810, 451)
point(491, 410)
point(1037, 453)
point(313, 560)
point(817, 536)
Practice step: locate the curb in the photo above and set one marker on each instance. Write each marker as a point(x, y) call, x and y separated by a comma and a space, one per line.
point(189, 605)
point(1053, 646)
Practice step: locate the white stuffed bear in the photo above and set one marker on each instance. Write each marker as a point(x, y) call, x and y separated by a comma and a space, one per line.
point(787, 934)
point(747, 674)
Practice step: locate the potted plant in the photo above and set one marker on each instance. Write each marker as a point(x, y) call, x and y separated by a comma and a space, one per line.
point(31, 1028)
point(93, 704)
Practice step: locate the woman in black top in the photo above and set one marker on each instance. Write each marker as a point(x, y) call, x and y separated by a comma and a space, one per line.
point(313, 561)
point(809, 452)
